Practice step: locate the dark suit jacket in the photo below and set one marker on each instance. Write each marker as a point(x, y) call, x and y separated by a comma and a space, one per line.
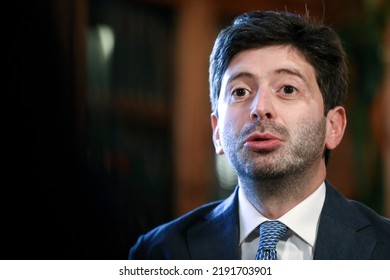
point(347, 230)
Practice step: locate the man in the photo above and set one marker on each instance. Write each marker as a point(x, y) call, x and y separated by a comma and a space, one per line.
point(277, 87)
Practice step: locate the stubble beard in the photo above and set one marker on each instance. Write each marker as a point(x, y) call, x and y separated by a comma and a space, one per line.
point(280, 172)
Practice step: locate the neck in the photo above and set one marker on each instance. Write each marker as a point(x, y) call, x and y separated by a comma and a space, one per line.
point(273, 197)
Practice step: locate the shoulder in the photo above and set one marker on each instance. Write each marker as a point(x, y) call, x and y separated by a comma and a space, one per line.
point(161, 242)
point(181, 223)
point(378, 229)
point(381, 223)
point(359, 217)
point(171, 240)
point(354, 211)
point(363, 232)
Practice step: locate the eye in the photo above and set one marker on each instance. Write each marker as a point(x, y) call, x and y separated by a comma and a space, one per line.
point(240, 92)
point(288, 90)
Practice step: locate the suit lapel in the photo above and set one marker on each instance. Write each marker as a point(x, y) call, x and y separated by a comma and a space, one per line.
point(338, 233)
point(217, 236)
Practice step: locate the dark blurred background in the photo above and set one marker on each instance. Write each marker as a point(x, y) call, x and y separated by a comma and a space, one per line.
point(106, 117)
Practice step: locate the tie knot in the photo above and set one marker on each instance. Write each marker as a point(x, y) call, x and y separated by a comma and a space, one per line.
point(270, 233)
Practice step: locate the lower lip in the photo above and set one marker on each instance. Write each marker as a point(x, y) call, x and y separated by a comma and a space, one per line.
point(265, 145)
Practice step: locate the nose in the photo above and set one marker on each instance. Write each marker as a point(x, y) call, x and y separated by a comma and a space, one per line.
point(262, 107)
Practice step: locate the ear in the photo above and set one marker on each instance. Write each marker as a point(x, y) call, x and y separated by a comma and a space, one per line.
point(216, 138)
point(335, 127)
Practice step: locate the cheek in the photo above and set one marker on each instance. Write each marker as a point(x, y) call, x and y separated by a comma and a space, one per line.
point(293, 120)
point(233, 121)
point(308, 111)
point(230, 130)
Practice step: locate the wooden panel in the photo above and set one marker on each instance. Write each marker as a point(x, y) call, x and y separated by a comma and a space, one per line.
point(194, 167)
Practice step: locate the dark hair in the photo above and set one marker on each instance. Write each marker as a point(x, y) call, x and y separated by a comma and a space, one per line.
point(319, 44)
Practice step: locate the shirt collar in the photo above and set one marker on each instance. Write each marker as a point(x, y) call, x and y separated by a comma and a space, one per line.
point(302, 219)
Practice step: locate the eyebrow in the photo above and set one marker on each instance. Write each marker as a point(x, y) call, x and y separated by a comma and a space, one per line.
point(288, 71)
point(291, 71)
point(240, 75)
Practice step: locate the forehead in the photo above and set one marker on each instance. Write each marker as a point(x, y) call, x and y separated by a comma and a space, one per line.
point(267, 60)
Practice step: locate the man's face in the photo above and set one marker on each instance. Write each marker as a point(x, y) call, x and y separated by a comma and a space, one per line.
point(271, 119)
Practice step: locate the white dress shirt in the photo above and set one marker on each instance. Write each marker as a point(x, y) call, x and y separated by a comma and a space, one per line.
point(302, 221)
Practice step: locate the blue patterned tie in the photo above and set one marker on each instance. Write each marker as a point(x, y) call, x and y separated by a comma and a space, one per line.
point(270, 233)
